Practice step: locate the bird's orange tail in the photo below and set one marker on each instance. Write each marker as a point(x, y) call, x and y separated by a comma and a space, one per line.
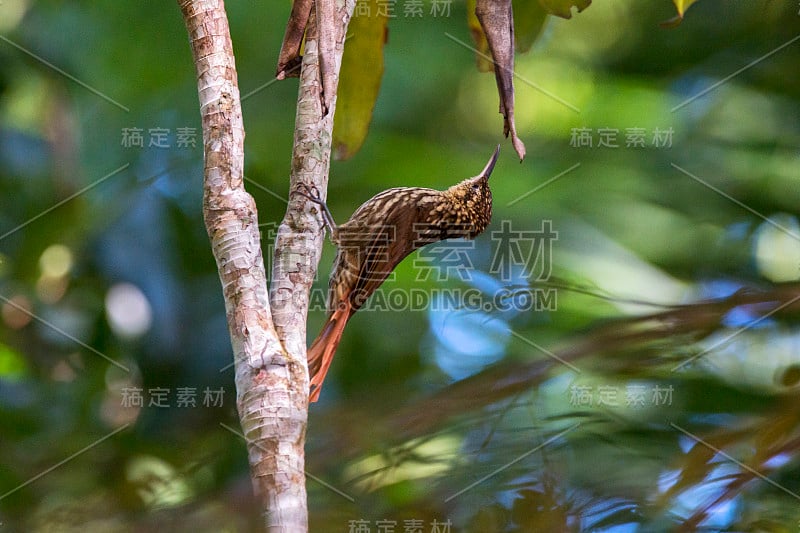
point(322, 350)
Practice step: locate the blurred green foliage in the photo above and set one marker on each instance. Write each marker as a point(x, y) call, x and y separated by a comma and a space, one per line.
point(110, 295)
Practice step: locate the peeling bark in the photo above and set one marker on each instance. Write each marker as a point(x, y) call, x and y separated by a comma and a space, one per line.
point(327, 39)
point(300, 236)
point(271, 383)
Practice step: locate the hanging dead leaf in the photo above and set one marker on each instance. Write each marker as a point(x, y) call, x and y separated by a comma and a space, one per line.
point(289, 56)
point(497, 20)
point(329, 32)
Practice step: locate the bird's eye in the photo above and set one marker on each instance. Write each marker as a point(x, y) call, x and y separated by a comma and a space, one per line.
point(476, 187)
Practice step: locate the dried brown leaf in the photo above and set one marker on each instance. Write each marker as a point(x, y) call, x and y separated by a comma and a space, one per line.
point(289, 56)
point(497, 20)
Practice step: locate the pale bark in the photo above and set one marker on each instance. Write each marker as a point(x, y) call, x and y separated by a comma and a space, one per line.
point(268, 343)
point(272, 418)
point(300, 237)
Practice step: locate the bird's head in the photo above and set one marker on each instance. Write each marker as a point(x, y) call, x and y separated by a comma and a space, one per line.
point(472, 199)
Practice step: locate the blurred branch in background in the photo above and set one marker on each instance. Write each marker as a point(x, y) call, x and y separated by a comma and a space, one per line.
point(662, 354)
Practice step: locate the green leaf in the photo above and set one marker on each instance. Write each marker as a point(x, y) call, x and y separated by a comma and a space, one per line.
point(359, 79)
point(563, 8)
point(529, 17)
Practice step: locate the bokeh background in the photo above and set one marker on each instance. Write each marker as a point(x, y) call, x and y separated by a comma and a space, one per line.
point(117, 403)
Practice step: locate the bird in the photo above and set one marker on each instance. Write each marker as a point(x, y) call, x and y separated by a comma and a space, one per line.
point(378, 236)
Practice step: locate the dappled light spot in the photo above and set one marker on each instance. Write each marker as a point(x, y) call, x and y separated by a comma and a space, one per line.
point(159, 484)
point(128, 311)
point(705, 495)
point(778, 461)
point(13, 13)
point(51, 289)
point(760, 353)
point(750, 316)
point(16, 312)
point(55, 264)
point(62, 371)
point(56, 261)
point(467, 341)
point(421, 460)
point(777, 248)
point(123, 398)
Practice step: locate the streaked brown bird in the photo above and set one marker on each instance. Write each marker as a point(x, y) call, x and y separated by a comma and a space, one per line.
point(383, 231)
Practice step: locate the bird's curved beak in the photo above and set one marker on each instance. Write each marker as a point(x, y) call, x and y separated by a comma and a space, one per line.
point(487, 170)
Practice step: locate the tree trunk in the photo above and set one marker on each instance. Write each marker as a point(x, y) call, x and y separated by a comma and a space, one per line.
point(269, 343)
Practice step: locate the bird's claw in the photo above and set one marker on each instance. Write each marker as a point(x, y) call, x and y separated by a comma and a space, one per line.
point(312, 193)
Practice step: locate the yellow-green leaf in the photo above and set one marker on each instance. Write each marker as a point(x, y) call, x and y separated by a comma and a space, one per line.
point(529, 17)
point(483, 57)
point(359, 78)
point(563, 8)
point(12, 364)
point(681, 6)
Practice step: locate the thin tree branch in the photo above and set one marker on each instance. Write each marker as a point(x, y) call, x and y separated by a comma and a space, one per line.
point(299, 238)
